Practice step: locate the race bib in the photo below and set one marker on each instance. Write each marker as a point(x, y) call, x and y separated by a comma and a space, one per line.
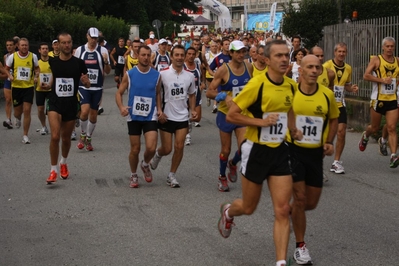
point(177, 92)
point(277, 132)
point(93, 75)
point(121, 60)
point(339, 93)
point(23, 73)
point(64, 87)
point(45, 78)
point(142, 105)
point(312, 128)
point(389, 88)
point(236, 91)
point(162, 66)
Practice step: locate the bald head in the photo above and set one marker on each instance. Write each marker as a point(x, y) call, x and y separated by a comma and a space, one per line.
point(310, 69)
point(318, 52)
point(310, 59)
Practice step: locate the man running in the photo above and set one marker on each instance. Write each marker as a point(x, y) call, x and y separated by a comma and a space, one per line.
point(43, 86)
point(264, 106)
point(142, 111)
point(342, 83)
point(176, 85)
point(231, 78)
point(316, 114)
point(96, 59)
point(25, 69)
point(10, 45)
point(259, 65)
point(63, 104)
point(160, 59)
point(383, 72)
point(118, 59)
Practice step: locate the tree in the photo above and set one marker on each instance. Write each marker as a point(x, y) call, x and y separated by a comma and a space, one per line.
point(312, 15)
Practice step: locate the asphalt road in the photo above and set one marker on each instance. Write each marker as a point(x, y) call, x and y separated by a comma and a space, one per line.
point(94, 218)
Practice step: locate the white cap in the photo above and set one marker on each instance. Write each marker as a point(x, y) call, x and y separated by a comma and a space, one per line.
point(55, 41)
point(93, 32)
point(152, 36)
point(237, 45)
point(169, 42)
point(161, 41)
point(141, 40)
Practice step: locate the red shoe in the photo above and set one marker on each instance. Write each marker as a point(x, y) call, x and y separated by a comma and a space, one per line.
point(89, 147)
point(52, 178)
point(82, 140)
point(134, 181)
point(147, 172)
point(64, 171)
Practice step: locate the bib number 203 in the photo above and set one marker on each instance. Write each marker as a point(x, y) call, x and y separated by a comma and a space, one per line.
point(64, 87)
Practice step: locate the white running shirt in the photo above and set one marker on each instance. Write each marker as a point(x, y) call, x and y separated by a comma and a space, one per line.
point(175, 89)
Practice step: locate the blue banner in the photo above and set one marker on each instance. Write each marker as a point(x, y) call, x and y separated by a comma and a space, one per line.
point(260, 21)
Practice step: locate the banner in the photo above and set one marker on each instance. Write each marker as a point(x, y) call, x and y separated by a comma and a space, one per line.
point(219, 10)
point(272, 16)
point(245, 15)
point(261, 21)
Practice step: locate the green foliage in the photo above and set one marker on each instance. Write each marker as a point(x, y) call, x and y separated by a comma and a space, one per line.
point(312, 15)
point(7, 26)
point(113, 28)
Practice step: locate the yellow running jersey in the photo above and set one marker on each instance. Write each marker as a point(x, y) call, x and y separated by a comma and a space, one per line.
point(257, 71)
point(386, 92)
point(312, 114)
point(343, 75)
point(23, 71)
point(261, 97)
point(45, 74)
point(131, 62)
point(323, 78)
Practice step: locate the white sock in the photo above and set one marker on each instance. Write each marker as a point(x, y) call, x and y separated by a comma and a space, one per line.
point(83, 125)
point(335, 161)
point(171, 174)
point(90, 128)
point(156, 154)
point(134, 174)
point(144, 163)
point(383, 140)
point(393, 154)
point(54, 168)
point(63, 160)
point(281, 262)
point(227, 214)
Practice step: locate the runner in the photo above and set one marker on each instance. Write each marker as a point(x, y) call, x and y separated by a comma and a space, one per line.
point(10, 45)
point(97, 63)
point(383, 72)
point(63, 104)
point(316, 115)
point(25, 69)
point(143, 109)
point(176, 85)
point(231, 77)
point(266, 101)
point(118, 59)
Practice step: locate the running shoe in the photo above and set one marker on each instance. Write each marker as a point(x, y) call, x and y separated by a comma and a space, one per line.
point(147, 172)
point(215, 109)
point(190, 126)
point(222, 184)
point(232, 174)
point(224, 224)
point(7, 124)
point(187, 142)
point(25, 139)
point(208, 102)
point(100, 111)
point(73, 135)
point(82, 140)
point(302, 257)
point(363, 142)
point(134, 181)
point(52, 178)
point(17, 123)
point(337, 168)
point(196, 124)
point(155, 161)
point(64, 173)
point(172, 182)
point(43, 131)
point(394, 161)
point(89, 147)
point(383, 147)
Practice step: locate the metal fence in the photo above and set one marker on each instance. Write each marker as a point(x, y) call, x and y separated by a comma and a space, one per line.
point(364, 39)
